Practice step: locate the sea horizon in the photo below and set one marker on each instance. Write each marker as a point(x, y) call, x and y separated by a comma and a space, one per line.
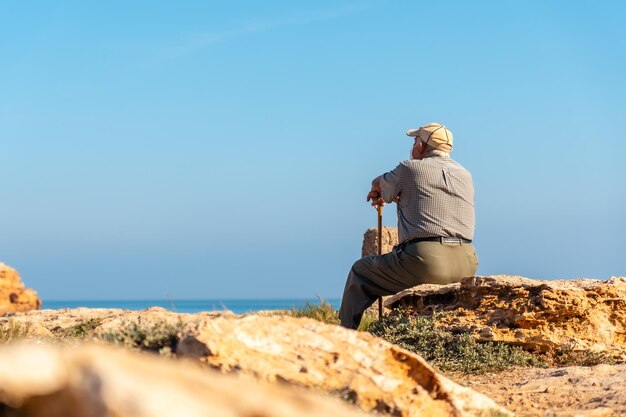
point(236, 305)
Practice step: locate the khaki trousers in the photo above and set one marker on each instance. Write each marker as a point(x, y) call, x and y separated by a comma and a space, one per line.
point(405, 266)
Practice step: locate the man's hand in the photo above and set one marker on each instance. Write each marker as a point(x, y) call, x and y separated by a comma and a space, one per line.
point(375, 194)
point(375, 197)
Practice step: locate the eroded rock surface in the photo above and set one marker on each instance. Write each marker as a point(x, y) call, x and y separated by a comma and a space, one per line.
point(97, 321)
point(539, 315)
point(100, 381)
point(370, 247)
point(365, 370)
point(370, 238)
point(372, 373)
point(13, 295)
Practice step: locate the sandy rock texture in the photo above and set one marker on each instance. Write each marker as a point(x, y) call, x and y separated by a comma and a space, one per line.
point(101, 381)
point(370, 247)
point(362, 369)
point(370, 238)
point(96, 321)
point(596, 391)
point(368, 371)
point(578, 315)
point(13, 295)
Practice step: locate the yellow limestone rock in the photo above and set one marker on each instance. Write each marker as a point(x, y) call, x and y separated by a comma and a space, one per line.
point(581, 314)
point(374, 374)
point(13, 296)
point(104, 320)
point(370, 238)
point(370, 247)
point(100, 381)
point(363, 369)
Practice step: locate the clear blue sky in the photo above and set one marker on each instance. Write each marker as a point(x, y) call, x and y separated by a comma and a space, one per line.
point(223, 149)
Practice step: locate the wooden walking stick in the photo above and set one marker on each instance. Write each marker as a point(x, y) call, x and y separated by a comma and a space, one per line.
point(380, 252)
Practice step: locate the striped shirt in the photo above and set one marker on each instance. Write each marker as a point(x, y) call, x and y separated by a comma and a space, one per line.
point(436, 198)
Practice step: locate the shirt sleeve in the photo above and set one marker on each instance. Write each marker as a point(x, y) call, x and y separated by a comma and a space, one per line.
point(390, 184)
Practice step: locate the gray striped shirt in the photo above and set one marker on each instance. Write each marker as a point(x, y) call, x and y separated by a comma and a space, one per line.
point(436, 198)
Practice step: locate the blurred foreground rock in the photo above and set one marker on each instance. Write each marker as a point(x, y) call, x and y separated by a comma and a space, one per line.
point(362, 369)
point(578, 315)
point(100, 381)
point(13, 295)
point(374, 374)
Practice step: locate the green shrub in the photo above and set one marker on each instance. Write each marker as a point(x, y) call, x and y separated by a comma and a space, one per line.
point(81, 329)
point(324, 312)
point(367, 321)
point(453, 352)
point(570, 357)
point(160, 337)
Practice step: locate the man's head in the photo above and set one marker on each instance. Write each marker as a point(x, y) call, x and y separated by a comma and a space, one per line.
point(433, 139)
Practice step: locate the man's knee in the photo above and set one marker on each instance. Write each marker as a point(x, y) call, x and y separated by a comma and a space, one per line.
point(352, 282)
point(361, 267)
point(358, 283)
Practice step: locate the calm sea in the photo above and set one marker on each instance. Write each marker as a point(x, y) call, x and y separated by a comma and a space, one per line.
point(193, 306)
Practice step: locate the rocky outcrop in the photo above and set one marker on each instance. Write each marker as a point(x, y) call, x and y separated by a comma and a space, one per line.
point(367, 371)
point(13, 295)
point(578, 315)
point(99, 381)
point(374, 374)
point(370, 241)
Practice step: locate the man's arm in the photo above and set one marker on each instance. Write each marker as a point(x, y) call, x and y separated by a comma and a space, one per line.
point(375, 193)
point(390, 181)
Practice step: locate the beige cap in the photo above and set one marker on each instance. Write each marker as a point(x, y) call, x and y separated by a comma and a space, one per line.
point(434, 134)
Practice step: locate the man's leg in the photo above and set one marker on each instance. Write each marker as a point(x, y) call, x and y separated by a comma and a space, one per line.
point(370, 278)
point(404, 267)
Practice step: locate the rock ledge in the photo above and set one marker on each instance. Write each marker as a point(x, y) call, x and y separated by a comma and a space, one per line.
point(583, 314)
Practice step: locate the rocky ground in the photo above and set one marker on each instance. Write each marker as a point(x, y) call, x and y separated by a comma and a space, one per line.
point(367, 372)
point(580, 318)
point(353, 366)
point(539, 315)
point(290, 366)
point(556, 392)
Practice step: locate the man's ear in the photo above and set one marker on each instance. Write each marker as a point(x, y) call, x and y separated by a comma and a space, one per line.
point(421, 147)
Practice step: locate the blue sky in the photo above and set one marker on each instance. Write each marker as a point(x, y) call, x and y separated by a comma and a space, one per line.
point(223, 149)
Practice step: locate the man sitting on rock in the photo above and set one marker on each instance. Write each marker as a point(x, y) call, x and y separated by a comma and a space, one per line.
point(435, 199)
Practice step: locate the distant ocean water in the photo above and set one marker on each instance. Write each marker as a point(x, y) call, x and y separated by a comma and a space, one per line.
point(192, 306)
